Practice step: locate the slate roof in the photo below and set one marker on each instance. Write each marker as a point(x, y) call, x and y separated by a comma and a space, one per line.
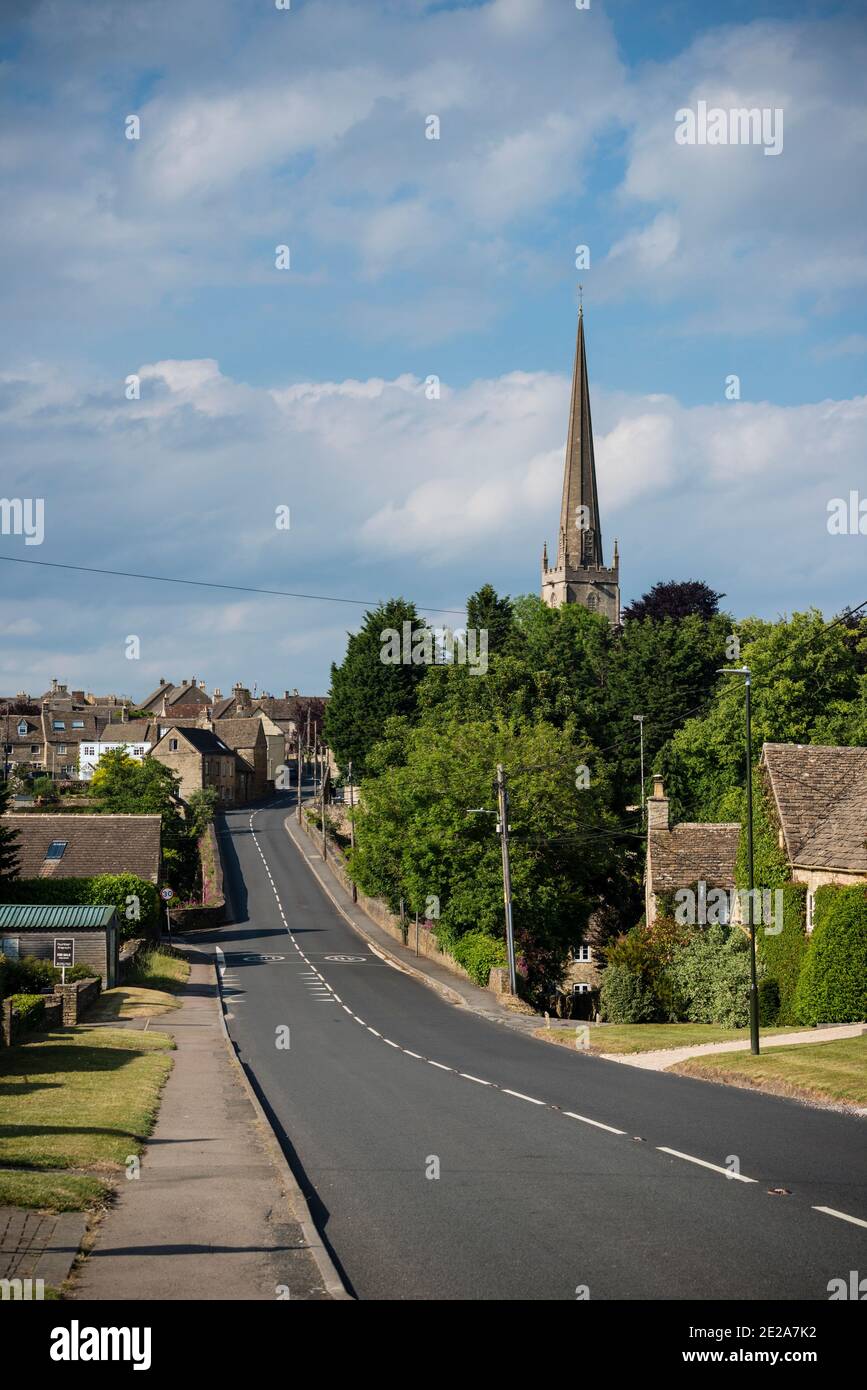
point(693, 852)
point(95, 845)
point(203, 740)
point(821, 800)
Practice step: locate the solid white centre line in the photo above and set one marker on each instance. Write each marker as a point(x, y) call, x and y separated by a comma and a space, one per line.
point(467, 1077)
point(703, 1163)
point(842, 1216)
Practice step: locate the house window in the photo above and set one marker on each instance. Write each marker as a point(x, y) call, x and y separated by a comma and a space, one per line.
point(811, 903)
point(56, 849)
point(69, 769)
point(173, 745)
point(61, 747)
point(78, 723)
point(22, 729)
point(89, 751)
point(9, 947)
point(58, 724)
point(581, 987)
point(34, 748)
point(583, 953)
point(139, 751)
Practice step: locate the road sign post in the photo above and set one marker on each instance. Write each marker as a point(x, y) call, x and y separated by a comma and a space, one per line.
point(167, 894)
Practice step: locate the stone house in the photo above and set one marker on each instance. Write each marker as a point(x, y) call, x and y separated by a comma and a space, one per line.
point(819, 801)
point(81, 846)
point(684, 855)
point(248, 738)
point(200, 759)
point(184, 701)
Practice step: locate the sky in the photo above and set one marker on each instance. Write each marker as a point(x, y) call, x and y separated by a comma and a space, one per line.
point(397, 387)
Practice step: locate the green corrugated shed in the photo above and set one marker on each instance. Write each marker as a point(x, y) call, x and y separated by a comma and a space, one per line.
point(54, 917)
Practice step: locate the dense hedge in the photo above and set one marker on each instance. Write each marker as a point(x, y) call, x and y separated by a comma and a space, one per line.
point(833, 984)
point(110, 890)
point(479, 954)
point(711, 977)
point(783, 954)
point(30, 1009)
point(31, 974)
point(626, 997)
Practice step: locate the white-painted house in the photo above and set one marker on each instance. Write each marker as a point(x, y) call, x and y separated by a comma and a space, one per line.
point(134, 737)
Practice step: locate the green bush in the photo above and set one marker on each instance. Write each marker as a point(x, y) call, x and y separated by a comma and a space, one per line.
point(30, 1009)
point(80, 972)
point(109, 890)
point(833, 984)
point(626, 997)
point(783, 953)
point(769, 1002)
point(711, 977)
point(28, 975)
point(479, 954)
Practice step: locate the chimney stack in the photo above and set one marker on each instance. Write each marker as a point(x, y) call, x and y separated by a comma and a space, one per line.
point(657, 806)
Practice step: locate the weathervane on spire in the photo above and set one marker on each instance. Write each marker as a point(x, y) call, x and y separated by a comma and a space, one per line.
point(580, 301)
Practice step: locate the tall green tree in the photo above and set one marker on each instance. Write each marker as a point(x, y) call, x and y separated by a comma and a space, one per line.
point(378, 678)
point(487, 611)
point(8, 838)
point(666, 671)
point(807, 687)
point(426, 832)
point(121, 785)
point(674, 598)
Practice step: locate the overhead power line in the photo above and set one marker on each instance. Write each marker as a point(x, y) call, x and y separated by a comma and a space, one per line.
point(212, 584)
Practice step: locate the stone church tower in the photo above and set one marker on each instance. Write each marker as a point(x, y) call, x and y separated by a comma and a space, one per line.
point(580, 574)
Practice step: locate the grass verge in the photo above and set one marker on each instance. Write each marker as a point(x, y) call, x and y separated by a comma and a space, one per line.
point(84, 1099)
point(830, 1072)
point(649, 1037)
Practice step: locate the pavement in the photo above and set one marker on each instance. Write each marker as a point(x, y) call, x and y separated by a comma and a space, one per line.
point(444, 1155)
point(662, 1058)
point(215, 1213)
point(39, 1245)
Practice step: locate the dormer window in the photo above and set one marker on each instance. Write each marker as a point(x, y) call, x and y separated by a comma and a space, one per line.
point(22, 728)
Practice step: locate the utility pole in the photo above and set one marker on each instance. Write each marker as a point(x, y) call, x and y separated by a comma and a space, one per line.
point(352, 829)
point(503, 827)
point(640, 719)
point(754, 988)
point(322, 780)
point(298, 786)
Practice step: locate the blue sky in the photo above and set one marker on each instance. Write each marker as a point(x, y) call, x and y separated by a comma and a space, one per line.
point(410, 258)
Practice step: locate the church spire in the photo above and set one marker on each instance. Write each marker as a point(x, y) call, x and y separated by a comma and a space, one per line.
point(580, 541)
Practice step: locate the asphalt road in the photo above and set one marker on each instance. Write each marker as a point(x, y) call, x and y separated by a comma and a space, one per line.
point(382, 1085)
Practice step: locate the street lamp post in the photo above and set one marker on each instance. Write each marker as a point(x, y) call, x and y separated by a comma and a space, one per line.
point(754, 988)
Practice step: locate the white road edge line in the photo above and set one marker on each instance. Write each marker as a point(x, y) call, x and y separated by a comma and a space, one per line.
point(841, 1215)
point(703, 1163)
